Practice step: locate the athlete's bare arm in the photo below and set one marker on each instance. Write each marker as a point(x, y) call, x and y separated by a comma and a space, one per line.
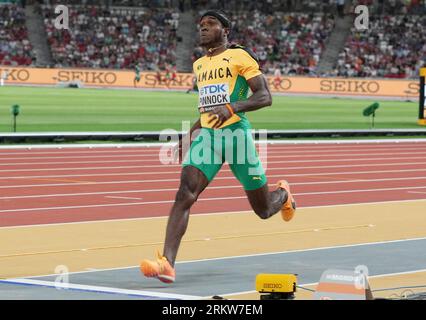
point(260, 98)
point(193, 133)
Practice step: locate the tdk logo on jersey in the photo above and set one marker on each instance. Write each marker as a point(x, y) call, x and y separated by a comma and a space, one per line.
point(216, 88)
point(214, 94)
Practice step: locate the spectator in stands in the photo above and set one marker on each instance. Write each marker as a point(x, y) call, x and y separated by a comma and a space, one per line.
point(340, 8)
point(393, 47)
point(113, 38)
point(15, 48)
point(292, 42)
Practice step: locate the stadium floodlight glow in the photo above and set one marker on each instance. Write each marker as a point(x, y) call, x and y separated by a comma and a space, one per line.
point(15, 112)
point(371, 111)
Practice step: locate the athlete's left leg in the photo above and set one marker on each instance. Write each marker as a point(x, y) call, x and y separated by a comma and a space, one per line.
point(266, 203)
point(252, 176)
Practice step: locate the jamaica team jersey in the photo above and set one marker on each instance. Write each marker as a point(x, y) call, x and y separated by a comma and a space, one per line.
point(223, 79)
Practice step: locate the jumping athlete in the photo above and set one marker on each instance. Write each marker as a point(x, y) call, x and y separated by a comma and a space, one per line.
point(224, 76)
point(137, 76)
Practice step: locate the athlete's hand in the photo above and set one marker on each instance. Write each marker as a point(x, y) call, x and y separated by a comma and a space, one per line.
point(219, 115)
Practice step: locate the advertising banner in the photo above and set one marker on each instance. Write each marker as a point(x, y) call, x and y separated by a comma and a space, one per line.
point(152, 80)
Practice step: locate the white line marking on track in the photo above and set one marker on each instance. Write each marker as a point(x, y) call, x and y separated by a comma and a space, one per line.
point(129, 198)
point(142, 153)
point(208, 188)
point(201, 215)
point(313, 147)
point(217, 178)
point(278, 157)
point(98, 289)
point(304, 149)
point(302, 144)
point(206, 199)
point(252, 255)
point(223, 170)
point(227, 170)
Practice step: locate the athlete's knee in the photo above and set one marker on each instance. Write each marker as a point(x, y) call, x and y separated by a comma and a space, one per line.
point(262, 213)
point(186, 196)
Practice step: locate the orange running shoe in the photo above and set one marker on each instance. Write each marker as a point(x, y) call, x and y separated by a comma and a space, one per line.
point(160, 269)
point(289, 207)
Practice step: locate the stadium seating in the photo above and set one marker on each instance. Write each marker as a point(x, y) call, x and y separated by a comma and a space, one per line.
point(15, 48)
point(292, 42)
point(392, 47)
point(113, 38)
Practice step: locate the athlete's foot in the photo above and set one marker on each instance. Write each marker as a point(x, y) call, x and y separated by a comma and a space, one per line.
point(160, 269)
point(289, 207)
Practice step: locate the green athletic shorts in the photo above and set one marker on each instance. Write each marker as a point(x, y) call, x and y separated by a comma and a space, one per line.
point(233, 144)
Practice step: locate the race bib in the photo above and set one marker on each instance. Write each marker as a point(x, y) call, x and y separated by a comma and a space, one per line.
point(210, 97)
point(213, 95)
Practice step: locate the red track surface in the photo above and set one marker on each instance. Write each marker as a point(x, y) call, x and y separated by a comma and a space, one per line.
point(40, 186)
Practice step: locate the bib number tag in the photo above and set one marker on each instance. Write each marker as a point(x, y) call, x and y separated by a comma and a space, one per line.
point(213, 95)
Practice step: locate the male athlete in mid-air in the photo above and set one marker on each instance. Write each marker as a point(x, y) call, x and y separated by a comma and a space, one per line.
point(137, 76)
point(224, 76)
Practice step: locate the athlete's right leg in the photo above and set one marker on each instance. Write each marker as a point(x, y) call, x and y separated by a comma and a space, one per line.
point(192, 183)
point(199, 168)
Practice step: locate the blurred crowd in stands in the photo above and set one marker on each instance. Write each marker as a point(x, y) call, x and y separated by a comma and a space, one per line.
point(289, 42)
point(15, 48)
point(288, 36)
point(112, 38)
point(392, 47)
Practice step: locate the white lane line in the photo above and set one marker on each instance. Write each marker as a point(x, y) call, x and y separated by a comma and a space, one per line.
point(29, 157)
point(269, 162)
point(143, 153)
point(107, 146)
point(294, 143)
point(207, 199)
point(275, 146)
point(418, 192)
point(250, 255)
point(380, 203)
point(208, 188)
point(111, 197)
point(265, 163)
point(223, 170)
point(98, 289)
point(177, 179)
point(98, 193)
point(328, 156)
point(390, 142)
point(271, 150)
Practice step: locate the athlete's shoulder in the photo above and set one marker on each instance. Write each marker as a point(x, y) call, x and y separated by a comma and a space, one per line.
point(244, 49)
point(198, 62)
